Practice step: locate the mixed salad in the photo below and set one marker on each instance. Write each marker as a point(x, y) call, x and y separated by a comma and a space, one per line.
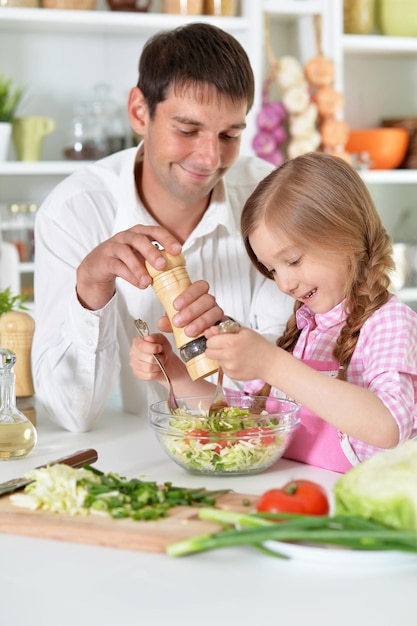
point(231, 441)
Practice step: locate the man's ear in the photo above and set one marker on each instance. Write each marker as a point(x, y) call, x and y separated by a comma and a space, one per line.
point(137, 110)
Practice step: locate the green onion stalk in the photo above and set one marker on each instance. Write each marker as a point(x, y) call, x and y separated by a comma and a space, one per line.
point(253, 529)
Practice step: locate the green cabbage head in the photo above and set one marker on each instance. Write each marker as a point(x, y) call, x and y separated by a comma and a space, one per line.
point(383, 488)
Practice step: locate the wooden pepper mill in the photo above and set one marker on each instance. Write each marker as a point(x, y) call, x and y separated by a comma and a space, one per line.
point(168, 284)
point(16, 334)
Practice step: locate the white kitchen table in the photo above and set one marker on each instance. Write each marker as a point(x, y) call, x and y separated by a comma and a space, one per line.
point(55, 583)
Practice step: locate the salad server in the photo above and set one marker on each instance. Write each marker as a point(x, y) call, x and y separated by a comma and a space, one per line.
point(219, 401)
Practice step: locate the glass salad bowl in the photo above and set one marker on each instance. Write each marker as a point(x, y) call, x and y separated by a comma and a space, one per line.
point(246, 438)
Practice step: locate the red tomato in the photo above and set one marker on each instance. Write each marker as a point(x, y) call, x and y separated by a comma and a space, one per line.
point(220, 444)
point(203, 436)
point(265, 435)
point(297, 496)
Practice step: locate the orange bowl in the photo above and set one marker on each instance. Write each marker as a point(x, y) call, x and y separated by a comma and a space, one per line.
point(386, 147)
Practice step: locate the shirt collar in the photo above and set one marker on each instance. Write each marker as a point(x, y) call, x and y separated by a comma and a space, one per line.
point(334, 317)
point(218, 212)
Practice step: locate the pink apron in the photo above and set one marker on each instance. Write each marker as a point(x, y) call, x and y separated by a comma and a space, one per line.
point(315, 441)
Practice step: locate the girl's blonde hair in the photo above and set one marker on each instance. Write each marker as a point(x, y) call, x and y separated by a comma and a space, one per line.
point(320, 201)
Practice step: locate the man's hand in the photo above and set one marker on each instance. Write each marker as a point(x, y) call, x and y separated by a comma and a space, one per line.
point(197, 311)
point(123, 256)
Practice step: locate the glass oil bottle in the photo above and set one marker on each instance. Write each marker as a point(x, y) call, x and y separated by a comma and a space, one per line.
point(18, 435)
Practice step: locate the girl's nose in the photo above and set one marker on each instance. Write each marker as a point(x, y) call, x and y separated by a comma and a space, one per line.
point(286, 283)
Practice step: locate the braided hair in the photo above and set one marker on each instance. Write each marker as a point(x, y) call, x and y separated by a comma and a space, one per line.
point(321, 201)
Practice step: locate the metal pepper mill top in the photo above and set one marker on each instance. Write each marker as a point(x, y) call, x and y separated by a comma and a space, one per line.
point(168, 284)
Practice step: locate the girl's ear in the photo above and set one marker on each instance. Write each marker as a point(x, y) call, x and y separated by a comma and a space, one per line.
point(137, 110)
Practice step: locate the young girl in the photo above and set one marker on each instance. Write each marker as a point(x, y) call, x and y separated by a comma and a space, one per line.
point(349, 351)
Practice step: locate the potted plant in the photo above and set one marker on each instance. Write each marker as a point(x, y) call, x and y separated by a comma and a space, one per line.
point(10, 96)
point(8, 302)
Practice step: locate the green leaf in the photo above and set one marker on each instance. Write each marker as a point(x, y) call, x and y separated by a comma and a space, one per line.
point(9, 99)
point(8, 302)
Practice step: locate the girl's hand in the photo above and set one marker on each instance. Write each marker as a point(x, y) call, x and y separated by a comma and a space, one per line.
point(242, 355)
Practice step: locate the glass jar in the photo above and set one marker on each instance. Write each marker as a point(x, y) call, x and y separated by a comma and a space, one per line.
point(106, 113)
point(96, 129)
point(183, 7)
point(359, 16)
point(86, 136)
point(17, 228)
point(220, 7)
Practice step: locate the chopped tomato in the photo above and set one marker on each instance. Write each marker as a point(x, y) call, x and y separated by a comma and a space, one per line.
point(222, 441)
point(265, 435)
point(203, 436)
point(207, 436)
point(296, 496)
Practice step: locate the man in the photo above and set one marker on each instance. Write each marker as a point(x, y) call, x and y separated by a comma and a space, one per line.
point(95, 230)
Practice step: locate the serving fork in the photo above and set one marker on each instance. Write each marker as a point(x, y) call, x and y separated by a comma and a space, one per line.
point(219, 401)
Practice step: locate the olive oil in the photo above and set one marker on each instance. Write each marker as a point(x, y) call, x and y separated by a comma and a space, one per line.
point(16, 439)
point(17, 434)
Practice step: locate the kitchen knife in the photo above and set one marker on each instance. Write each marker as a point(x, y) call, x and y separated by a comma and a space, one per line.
point(77, 459)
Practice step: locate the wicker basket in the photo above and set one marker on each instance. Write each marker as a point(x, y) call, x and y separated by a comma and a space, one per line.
point(78, 5)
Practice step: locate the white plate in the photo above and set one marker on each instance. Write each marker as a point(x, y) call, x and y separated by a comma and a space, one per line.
point(333, 555)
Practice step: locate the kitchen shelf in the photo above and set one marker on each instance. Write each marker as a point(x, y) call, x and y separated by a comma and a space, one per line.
point(393, 177)
point(104, 21)
point(378, 44)
point(99, 44)
point(103, 45)
point(63, 168)
point(293, 9)
point(39, 168)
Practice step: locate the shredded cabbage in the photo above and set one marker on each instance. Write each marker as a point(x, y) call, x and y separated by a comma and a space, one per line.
point(252, 452)
point(240, 457)
point(55, 488)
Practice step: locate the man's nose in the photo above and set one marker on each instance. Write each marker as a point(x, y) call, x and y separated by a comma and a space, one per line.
point(209, 153)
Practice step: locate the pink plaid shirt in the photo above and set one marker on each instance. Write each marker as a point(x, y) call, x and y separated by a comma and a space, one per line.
point(384, 360)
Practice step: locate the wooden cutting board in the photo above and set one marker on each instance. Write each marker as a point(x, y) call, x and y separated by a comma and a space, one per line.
point(149, 536)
